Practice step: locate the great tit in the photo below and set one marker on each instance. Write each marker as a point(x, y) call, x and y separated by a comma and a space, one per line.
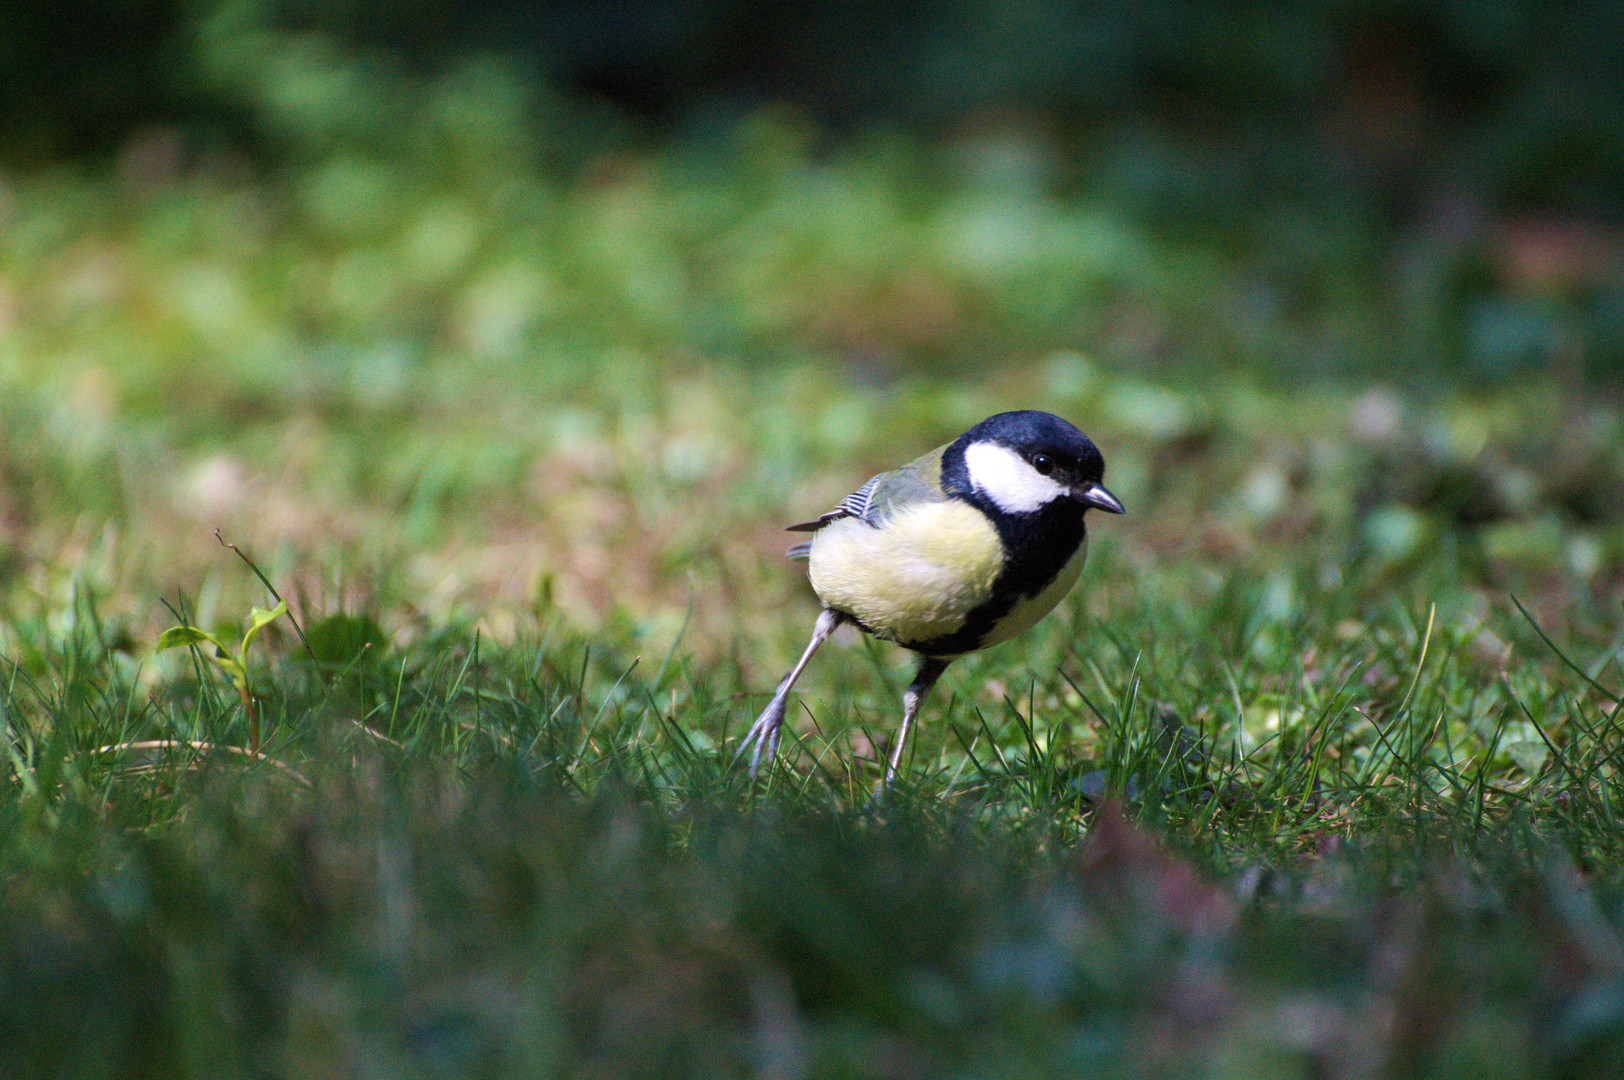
point(955, 551)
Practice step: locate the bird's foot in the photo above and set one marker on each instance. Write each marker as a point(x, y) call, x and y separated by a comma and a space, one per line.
point(764, 733)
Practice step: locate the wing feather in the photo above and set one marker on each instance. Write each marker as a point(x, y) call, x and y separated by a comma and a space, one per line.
point(853, 505)
point(916, 482)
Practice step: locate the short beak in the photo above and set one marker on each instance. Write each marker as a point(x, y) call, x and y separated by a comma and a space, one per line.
point(1096, 495)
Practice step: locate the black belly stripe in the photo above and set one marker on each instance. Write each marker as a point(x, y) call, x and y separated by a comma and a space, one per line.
point(1036, 548)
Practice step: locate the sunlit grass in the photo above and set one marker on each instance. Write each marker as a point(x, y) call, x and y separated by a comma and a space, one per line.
point(460, 856)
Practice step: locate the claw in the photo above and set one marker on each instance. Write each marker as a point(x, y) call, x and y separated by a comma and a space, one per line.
point(764, 732)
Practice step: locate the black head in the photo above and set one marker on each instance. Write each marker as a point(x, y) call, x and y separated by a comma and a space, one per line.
point(1021, 462)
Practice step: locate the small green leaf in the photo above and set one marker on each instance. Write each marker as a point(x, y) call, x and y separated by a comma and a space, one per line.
point(259, 618)
point(178, 636)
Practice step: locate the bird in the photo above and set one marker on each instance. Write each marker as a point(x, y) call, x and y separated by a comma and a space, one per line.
point(955, 551)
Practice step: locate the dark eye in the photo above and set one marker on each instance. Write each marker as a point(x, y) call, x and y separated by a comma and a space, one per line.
point(1043, 464)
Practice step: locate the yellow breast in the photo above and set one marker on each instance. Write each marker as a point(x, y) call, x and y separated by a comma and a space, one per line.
point(915, 579)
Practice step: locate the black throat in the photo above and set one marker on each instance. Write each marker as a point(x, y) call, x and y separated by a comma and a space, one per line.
point(1037, 546)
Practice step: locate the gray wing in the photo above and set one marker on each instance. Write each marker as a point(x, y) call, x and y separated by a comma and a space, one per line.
point(917, 481)
point(853, 505)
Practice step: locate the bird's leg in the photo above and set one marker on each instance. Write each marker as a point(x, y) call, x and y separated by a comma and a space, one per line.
point(764, 732)
point(930, 669)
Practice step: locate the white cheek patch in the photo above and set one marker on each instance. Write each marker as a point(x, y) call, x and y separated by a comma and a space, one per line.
point(1009, 479)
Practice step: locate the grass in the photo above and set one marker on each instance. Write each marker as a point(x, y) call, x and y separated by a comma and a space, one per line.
point(1316, 774)
point(462, 856)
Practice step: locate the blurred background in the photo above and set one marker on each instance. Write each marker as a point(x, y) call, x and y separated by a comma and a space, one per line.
point(516, 305)
point(1456, 166)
